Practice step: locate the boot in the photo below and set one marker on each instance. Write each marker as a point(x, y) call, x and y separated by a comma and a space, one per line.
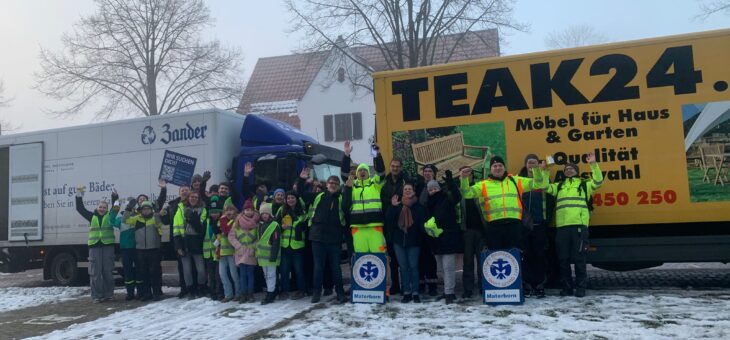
point(270, 297)
point(191, 292)
point(406, 298)
point(130, 293)
point(298, 295)
point(283, 296)
point(416, 299)
point(202, 290)
point(316, 297)
point(432, 289)
point(466, 294)
point(450, 298)
point(342, 298)
point(580, 292)
point(566, 292)
point(539, 293)
point(327, 292)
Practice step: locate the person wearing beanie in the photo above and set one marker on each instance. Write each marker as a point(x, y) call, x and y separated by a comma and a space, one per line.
point(500, 201)
point(268, 250)
point(534, 258)
point(291, 217)
point(427, 267)
point(211, 247)
point(278, 199)
point(327, 225)
point(366, 212)
point(147, 233)
point(189, 226)
point(472, 227)
point(442, 208)
point(243, 237)
point(227, 268)
point(572, 218)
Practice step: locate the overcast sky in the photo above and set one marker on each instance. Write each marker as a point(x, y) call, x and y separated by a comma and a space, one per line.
point(260, 29)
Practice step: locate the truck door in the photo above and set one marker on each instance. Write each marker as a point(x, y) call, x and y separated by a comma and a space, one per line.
point(24, 209)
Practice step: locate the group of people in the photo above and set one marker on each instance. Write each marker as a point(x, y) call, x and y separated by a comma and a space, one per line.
point(230, 246)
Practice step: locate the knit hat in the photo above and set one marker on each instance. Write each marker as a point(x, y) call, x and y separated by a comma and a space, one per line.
point(496, 159)
point(196, 178)
point(229, 204)
point(146, 204)
point(265, 208)
point(572, 165)
point(280, 190)
point(531, 156)
point(433, 184)
point(248, 204)
point(215, 204)
point(432, 167)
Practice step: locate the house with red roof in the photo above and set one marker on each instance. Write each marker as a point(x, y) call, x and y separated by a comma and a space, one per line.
point(329, 96)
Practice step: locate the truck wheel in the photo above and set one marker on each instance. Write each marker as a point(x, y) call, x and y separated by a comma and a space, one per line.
point(64, 270)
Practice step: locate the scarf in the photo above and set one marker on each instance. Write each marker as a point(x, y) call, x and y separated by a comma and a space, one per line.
point(246, 222)
point(405, 219)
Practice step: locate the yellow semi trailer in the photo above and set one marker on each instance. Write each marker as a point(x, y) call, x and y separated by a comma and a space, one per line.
point(656, 113)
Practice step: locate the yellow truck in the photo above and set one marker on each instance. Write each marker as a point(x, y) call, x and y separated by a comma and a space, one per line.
point(655, 112)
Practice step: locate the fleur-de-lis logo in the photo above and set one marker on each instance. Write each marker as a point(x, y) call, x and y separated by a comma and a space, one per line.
point(501, 269)
point(369, 271)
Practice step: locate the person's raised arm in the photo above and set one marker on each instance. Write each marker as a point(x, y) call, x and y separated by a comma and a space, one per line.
point(80, 208)
point(162, 197)
point(245, 187)
point(596, 175)
point(345, 165)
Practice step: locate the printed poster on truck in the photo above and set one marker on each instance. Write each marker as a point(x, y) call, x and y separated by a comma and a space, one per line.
point(177, 169)
point(656, 113)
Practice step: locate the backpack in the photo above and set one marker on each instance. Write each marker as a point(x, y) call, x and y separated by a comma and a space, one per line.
point(582, 189)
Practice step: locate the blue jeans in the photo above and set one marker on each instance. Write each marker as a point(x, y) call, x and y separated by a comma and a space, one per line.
point(292, 259)
point(408, 261)
point(227, 265)
point(326, 253)
point(245, 278)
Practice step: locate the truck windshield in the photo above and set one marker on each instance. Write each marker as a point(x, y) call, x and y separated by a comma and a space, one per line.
point(323, 171)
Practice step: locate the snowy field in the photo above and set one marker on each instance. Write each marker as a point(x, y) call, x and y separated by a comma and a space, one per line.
point(601, 315)
point(12, 298)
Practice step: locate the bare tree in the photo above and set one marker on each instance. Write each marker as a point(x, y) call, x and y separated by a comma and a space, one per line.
point(5, 102)
point(406, 32)
point(575, 36)
point(708, 8)
point(142, 55)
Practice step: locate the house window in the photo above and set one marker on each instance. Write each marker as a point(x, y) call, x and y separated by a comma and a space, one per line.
point(343, 126)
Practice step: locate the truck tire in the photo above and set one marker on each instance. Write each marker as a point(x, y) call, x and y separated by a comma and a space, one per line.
point(64, 269)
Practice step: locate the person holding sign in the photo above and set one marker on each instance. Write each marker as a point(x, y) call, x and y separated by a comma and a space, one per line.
point(501, 203)
point(189, 231)
point(101, 245)
point(572, 217)
point(445, 231)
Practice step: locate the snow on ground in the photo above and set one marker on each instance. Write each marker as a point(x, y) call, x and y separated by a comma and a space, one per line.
point(174, 318)
point(603, 315)
point(633, 314)
point(12, 298)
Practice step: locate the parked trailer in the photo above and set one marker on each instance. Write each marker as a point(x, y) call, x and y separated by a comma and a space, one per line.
point(39, 171)
point(656, 113)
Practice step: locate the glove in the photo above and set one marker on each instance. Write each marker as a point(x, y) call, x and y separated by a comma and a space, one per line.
point(449, 176)
point(206, 176)
point(217, 243)
point(132, 203)
point(115, 196)
point(229, 175)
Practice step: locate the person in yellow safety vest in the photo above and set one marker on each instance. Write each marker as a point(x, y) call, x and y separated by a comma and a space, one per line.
point(268, 250)
point(188, 233)
point(228, 271)
point(211, 253)
point(366, 211)
point(243, 238)
point(500, 200)
point(572, 218)
point(101, 245)
point(292, 219)
point(147, 231)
